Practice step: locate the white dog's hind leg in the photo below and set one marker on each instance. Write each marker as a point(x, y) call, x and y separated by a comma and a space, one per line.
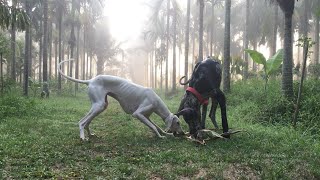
point(139, 114)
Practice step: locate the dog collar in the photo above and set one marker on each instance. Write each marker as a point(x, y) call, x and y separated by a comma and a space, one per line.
point(198, 95)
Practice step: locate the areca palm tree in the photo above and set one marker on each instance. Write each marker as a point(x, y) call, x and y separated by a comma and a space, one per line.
point(72, 38)
point(186, 53)
point(246, 41)
point(226, 54)
point(27, 52)
point(168, 40)
point(201, 8)
point(316, 33)
point(176, 15)
point(156, 34)
point(287, 7)
point(13, 44)
point(275, 31)
point(168, 12)
point(45, 48)
point(15, 18)
point(60, 12)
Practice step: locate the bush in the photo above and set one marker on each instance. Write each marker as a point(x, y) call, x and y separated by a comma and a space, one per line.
point(271, 107)
point(15, 106)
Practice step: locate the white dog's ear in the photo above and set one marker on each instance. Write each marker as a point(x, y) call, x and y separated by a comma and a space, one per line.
point(169, 121)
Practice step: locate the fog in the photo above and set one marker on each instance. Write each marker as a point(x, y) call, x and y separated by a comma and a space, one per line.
point(144, 41)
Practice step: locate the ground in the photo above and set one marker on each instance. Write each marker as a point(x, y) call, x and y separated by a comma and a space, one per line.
point(47, 145)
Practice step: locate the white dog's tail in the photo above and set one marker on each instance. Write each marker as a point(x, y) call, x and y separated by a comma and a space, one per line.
point(68, 77)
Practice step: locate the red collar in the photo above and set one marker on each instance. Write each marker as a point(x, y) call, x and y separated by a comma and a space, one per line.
point(198, 95)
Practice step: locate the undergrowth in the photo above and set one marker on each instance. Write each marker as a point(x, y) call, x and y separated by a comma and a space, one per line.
point(40, 140)
point(254, 104)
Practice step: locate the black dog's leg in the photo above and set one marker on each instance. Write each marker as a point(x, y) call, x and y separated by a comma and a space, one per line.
point(222, 102)
point(212, 114)
point(203, 116)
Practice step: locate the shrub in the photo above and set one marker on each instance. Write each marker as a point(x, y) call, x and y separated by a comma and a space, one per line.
point(16, 106)
point(272, 107)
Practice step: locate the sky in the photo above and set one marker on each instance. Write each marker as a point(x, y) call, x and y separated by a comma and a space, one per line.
point(126, 18)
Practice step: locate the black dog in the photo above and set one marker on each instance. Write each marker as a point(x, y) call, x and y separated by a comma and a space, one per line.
point(203, 84)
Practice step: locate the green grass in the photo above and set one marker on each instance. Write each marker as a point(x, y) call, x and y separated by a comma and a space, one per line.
point(45, 144)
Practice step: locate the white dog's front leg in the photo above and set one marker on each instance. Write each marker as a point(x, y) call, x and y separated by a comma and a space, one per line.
point(96, 109)
point(139, 114)
point(160, 130)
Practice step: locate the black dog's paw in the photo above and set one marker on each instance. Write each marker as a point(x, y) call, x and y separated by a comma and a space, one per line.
point(226, 135)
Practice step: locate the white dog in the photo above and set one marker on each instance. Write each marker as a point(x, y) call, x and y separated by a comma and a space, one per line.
point(134, 99)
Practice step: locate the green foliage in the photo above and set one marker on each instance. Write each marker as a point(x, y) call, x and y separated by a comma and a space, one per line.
point(45, 144)
point(269, 66)
point(11, 15)
point(274, 62)
point(35, 86)
point(15, 106)
point(4, 44)
point(236, 65)
point(314, 70)
point(252, 104)
point(257, 57)
point(309, 113)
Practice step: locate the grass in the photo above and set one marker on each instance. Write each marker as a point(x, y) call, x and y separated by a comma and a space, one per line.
point(46, 145)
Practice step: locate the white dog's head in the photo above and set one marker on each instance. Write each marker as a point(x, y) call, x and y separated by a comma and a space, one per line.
point(173, 125)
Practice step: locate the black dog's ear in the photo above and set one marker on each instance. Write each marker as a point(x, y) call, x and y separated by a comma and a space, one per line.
point(185, 111)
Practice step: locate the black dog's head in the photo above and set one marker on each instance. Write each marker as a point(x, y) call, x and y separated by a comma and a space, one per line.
point(191, 118)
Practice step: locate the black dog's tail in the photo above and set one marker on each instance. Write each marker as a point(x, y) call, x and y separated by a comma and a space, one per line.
point(68, 77)
point(195, 69)
point(184, 83)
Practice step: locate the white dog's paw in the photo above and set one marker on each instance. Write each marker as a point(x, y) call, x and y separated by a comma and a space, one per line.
point(169, 135)
point(162, 137)
point(92, 135)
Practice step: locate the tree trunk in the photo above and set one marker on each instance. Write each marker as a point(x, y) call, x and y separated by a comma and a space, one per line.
point(174, 63)
point(77, 59)
point(100, 65)
point(168, 39)
point(186, 52)
point(72, 40)
point(193, 60)
point(91, 66)
point(287, 81)
point(87, 69)
point(305, 25)
point(56, 58)
point(226, 63)
point(254, 64)
point(60, 43)
point(201, 7)
point(1, 72)
point(30, 72)
point(212, 28)
point(275, 32)
point(150, 68)
point(316, 34)
point(304, 63)
point(45, 48)
point(40, 50)
point(155, 74)
point(26, 54)
point(84, 53)
point(246, 41)
point(13, 46)
point(161, 75)
point(50, 49)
